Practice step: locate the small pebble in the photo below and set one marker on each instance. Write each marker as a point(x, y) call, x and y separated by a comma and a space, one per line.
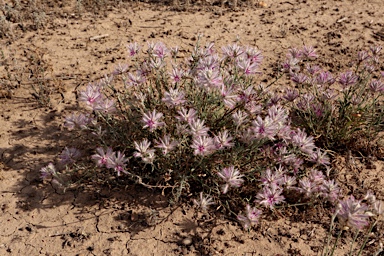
point(187, 241)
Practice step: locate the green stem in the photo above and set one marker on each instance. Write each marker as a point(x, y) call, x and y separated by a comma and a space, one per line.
point(367, 236)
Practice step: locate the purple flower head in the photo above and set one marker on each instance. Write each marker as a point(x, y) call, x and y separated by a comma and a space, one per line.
point(316, 176)
point(102, 158)
point(152, 120)
point(166, 144)
point(362, 56)
point(308, 187)
point(291, 94)
point(294, 162)
point(209, 78)
point(203, 202)
point(117, 162)
point(320, 157)
point(309, 52)
point(91, 95)
point(288, 181)
point(294, 53)
point(305, 101)
point(352, 213)
point(133, 49)
point(186, 115)
point(210, 62)
point(304, 142)
point(254, 55)
point(250, 218)
point(325, 78)
point(197, 128)
point(223, 140)
point(264, 129)
point(376, 86)
point(135, 79)
point(331, 191)
point(240, 117)
point(203, 145)
point(270, 196)
point(146, 154)
point(253, 108)
point(79, 120)
point(312, 69)
point(290, 66)
point(231, 177)
point(232, 51)
point(176, 75)
point(120, 69)
point(159, 50)
point(317, 109)
point(229, 95)
point(156, 63)
point(247, 66)
point(69, 155)
point(173, 97)
point(246, 95)
point(247, 136)
point(48, 172)
point(106, 106)
point(348, 79)
point(276, 177)
point(299, 78)
point(278, 115)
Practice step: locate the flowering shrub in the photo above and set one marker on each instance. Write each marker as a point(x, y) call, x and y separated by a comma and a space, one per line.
point(204, 125)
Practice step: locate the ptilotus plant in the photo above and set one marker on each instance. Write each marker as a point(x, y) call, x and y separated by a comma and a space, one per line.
point(202, 124)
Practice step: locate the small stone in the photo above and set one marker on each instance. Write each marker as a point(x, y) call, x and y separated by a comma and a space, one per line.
point(187, 241)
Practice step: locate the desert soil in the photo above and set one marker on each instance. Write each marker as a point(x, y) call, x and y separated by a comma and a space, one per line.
point(76, 43)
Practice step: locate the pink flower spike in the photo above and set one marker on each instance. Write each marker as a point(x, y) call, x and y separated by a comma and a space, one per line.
point(186, 115)
point(146, 154)
point(102, 158)
point(173, 97)
point(166, 144)
point(197, 128)
point(309, 52)
point(203, 202)
point(304, 142)
point(223, 140)
point(203, 145)
point(106, 106)
point(117, 162)
point(133, 49)
point(250, 218)
point(91, 95)
point(348, 78)
point(48, 172)
point(264, 129)
point(352, 213)
point(231, 177)
point(152, 120)
point(270, 196)
point(176, 75)
point(69, 155)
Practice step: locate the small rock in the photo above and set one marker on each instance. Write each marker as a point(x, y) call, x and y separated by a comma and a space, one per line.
point(187, 241)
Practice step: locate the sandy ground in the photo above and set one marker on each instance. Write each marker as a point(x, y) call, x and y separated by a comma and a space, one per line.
point(75, 46)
